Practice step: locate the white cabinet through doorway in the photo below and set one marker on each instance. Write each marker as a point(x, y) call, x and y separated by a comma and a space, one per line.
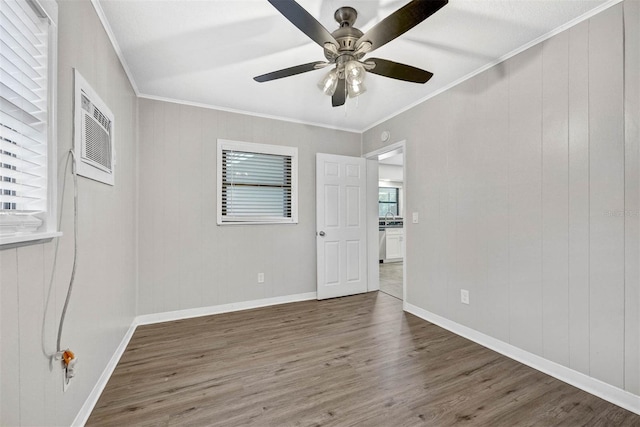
point(394, 239)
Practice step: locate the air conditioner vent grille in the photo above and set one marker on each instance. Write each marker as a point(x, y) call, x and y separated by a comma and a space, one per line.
point(97, 114)
point(97, 143)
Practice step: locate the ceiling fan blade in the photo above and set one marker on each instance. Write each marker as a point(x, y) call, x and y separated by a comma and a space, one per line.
point(340, 95)
point(400, 21)
point(304, 21)
point(399, 71)
point(286, 72)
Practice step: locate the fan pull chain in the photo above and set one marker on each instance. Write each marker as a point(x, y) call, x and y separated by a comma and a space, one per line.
point(346, 97)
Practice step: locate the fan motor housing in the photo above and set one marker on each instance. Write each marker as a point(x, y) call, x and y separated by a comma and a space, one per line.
point(346, 35)
point(347, 38)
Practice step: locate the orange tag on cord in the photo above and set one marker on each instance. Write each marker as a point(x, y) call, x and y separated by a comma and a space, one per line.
point(68, 356)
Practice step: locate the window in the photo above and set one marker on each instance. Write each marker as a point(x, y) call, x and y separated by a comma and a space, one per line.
point(27, 147)
point(387, 201)
point(257, 183)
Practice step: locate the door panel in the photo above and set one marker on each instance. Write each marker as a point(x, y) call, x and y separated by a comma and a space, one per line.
point(341, 225)
point(353, 207)
point(332, 265)
point(332, 205)
point(353, 258)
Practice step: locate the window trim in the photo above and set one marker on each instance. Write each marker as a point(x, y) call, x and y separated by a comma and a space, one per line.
point(251, 147)
point(48, 229)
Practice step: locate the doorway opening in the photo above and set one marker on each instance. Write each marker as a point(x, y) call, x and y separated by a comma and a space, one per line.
point(391, 218)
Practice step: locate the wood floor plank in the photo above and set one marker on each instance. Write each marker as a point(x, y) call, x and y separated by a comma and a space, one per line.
point(353, 361)
point(391, 278)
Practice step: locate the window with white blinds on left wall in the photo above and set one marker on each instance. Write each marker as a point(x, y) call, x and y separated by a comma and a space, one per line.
point(27, 148)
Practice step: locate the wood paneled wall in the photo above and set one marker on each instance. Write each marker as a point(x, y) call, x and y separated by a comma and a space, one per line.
point(527, 186)
point(186, 260)
point(102, 305)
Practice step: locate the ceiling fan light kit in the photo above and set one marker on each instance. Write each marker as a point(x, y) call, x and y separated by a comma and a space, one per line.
point(354, 72)
point(355, 89)
point(329, 83)
point(346, 46)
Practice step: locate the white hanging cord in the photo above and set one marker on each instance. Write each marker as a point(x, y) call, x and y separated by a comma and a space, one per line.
point(71, 155)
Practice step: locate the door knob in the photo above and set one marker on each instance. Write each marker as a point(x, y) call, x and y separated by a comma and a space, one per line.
point(321, 234)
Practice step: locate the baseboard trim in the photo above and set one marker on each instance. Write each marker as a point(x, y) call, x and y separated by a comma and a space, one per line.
point(92, 399)
point(148, 319)
point(577, 379)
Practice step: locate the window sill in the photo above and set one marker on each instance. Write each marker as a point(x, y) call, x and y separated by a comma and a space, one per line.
point(12, 241)
point(258, 223)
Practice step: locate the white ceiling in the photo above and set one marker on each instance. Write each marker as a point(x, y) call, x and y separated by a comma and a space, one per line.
point(207, 52)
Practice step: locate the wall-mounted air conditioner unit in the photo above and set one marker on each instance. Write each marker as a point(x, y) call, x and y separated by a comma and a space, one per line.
point(93, 135)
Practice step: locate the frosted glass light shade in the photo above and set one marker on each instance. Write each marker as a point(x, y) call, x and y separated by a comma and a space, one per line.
point(355, 89)
point(354, 72)
point(329, 83)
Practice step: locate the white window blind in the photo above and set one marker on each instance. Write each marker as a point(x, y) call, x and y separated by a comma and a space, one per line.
point(257, 183)
point(24, 33)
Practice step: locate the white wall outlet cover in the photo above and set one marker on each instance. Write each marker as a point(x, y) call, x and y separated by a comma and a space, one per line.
point(464, 296)
point(415, 217)
point(260, 277)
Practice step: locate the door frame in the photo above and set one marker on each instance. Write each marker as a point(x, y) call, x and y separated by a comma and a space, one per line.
point(400, 146)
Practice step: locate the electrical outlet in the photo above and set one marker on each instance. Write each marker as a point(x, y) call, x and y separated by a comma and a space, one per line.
point(260, 277)
point(415, 218)
point(464, 296)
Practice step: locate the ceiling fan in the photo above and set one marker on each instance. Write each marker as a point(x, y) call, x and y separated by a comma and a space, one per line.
point(346, 47)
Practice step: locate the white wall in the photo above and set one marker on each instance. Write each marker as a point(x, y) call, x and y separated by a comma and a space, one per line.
point(390, 173)
point(186, 260)
point(522, 176)
point(103, 302)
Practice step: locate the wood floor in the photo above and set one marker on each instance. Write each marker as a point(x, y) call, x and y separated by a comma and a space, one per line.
point(391, 278)
point(354, 361)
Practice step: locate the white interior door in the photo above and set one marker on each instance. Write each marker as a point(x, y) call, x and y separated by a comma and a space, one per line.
point(341, 234)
